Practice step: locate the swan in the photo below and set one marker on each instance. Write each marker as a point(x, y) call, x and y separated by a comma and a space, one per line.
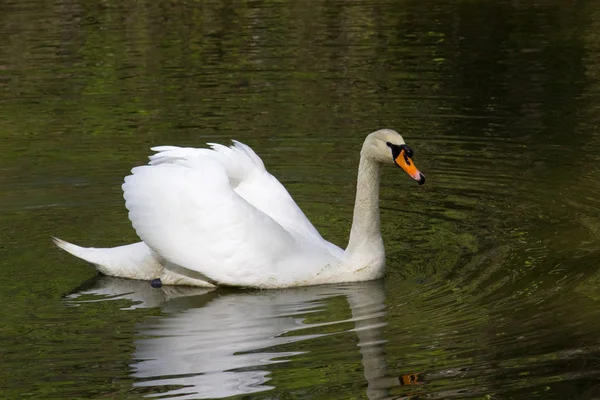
point(215, 217)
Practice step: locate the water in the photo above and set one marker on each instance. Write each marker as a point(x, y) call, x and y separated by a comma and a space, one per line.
point(493, 275)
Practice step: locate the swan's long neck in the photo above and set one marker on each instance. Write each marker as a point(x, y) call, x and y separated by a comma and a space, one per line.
point(365, 236)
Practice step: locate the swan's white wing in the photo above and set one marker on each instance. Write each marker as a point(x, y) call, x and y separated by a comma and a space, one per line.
point(249, 178)
point(186, 210)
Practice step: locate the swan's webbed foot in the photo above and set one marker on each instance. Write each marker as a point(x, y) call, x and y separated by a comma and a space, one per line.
point(156, 283)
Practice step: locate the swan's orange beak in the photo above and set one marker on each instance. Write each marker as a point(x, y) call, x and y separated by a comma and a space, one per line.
point(407, 164)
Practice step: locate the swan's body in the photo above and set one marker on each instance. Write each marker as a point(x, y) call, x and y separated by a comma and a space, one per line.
point(210, 217)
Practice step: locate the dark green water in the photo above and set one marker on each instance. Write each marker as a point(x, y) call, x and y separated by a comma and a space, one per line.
point(493, 284)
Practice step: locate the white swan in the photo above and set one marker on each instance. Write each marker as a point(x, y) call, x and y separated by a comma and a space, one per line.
point(216, 217)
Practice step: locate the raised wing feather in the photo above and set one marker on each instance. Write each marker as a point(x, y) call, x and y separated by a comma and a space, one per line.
point(185, 209)
point(248, 178)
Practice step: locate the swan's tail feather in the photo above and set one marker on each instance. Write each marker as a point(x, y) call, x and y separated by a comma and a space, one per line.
point(135, 261)
point(87, 254)
point(131, 261)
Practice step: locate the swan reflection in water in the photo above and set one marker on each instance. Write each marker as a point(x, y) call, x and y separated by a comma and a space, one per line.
point(220, 343)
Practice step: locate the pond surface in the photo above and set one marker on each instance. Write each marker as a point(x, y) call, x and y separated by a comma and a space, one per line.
point(493, 281)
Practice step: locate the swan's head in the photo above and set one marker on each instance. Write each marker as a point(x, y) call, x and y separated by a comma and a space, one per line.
point(387, 146)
